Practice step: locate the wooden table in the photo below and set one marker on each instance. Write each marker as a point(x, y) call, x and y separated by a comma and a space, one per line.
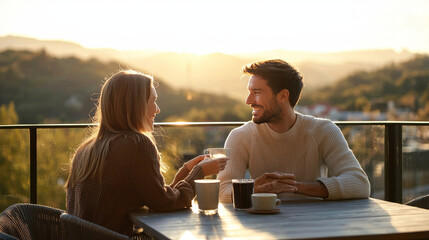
point(298, 219)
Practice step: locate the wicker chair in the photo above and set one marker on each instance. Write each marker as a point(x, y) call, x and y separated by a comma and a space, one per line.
point(31, 221)
point(77, 228)
point(4, 236)
point(421, 202)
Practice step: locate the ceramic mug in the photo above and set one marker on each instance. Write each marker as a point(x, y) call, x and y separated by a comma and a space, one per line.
point(265, 201)
point(217, 152)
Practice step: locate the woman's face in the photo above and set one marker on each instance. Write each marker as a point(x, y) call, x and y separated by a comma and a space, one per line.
point(152, 108)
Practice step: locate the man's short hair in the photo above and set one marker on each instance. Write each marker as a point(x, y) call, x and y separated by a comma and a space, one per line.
point(279, 75)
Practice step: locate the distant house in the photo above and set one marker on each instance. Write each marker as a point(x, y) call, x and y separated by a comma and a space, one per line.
point(380, 111)
point(320, 110)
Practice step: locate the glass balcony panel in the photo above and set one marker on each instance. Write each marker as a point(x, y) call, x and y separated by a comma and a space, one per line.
point(55, 147)
point(177, 143)
point(415, 162)
point(14, 167)
point(367, 143)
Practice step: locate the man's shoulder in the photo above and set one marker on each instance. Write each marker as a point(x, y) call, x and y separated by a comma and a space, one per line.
point(247, 126)
point(241, 136)
point(244, 130)
point(313, 123)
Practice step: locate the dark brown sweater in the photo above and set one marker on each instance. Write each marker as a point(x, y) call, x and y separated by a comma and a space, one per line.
point(130, 179)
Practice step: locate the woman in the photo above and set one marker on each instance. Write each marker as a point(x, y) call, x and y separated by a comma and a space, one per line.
point(117, 169)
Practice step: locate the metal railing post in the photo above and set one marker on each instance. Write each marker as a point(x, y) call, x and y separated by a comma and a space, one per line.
point(33, 165)
point(393, 163)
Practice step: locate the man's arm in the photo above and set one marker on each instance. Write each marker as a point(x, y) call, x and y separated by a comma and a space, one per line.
point(347, 178)
point(312, 189)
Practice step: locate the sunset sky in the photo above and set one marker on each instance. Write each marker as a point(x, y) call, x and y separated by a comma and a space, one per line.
point(230, 26)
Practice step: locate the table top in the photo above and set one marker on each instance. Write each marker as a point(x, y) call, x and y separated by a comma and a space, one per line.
point(297, 219)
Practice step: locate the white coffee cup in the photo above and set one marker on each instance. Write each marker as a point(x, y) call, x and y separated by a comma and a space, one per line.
point(207, 195)
point(265, 201)
point(217, 152)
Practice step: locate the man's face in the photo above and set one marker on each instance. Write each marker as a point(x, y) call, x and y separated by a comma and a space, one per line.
point(263, 101)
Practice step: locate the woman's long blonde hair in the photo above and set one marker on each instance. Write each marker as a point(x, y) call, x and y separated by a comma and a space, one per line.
point(122, 108)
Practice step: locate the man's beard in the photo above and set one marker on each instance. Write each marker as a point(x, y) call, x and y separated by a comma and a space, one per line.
point(270, 114)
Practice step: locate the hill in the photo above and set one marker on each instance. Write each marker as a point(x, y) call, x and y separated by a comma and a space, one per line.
point(66, 49)
point(219, 73)
point(63, 89)
point(405, 84)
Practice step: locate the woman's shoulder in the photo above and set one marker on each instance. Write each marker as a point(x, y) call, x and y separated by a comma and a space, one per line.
point(132, 140)
point(136, 137)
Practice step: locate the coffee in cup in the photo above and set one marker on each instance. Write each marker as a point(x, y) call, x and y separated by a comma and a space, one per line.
point(242, 193)
point(265, 201)
point(207, 195)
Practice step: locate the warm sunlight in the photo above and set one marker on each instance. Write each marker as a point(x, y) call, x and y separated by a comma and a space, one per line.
point(343, 114)
point(230, 224)
point(223, 26)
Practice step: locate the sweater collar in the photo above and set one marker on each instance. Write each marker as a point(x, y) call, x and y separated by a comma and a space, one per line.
point(291, 132)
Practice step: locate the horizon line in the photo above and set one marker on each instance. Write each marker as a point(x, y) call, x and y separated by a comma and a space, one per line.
point(154, 50)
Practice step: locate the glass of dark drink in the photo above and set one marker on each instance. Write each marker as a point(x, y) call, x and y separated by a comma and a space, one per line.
point(242, 193)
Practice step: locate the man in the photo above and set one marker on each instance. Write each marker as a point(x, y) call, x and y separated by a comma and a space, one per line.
point(284, 151)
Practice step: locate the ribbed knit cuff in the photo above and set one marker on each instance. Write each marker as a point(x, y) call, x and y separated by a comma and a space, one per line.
point(196, 173)
point(332, 187)
point(345, 188)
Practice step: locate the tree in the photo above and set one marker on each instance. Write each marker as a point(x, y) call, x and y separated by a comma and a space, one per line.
point(14, 161)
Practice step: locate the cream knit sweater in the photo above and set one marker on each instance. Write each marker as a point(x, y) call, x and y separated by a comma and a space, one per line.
point(311, 149)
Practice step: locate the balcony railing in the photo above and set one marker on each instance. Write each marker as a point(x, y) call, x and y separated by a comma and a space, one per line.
point(393, 147)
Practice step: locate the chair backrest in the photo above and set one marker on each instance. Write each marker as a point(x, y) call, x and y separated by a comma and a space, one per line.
point(4, 236)
point(31, 221)
point(77, 228)
point(421, 202)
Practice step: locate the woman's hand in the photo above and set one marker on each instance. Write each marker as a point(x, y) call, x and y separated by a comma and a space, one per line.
point(213, 166)
point(191, 163)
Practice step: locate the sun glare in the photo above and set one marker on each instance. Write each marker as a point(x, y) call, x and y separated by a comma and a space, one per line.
point(202, 27)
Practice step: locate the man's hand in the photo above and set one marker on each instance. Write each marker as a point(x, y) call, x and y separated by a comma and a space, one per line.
point(276, 183)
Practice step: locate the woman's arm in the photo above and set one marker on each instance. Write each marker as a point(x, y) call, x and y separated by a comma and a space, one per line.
point(209, 167)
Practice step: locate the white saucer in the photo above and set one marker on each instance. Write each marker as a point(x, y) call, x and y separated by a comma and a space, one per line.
point(252, 210)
